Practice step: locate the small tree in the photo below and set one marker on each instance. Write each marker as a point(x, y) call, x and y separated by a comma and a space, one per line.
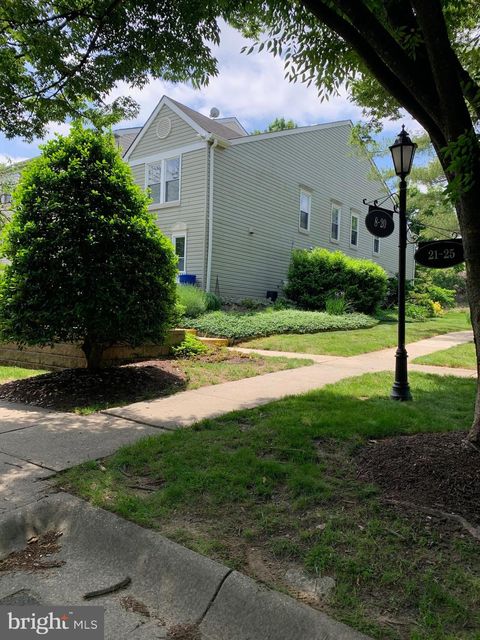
point(87, 262)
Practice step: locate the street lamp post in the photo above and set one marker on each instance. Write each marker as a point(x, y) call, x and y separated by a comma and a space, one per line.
point(403, 151)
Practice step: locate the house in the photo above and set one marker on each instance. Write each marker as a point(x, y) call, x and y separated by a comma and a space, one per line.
point(235, 205)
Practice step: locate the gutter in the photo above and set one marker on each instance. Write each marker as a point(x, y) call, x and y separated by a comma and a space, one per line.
point(214, 142)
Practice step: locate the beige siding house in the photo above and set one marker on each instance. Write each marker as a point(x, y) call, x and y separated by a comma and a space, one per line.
point(235, 205)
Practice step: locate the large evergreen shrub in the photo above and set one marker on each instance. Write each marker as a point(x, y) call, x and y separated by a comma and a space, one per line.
point(87, 262)
point(318, 274)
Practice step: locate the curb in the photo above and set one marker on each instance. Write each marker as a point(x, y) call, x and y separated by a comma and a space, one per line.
point(180, 585)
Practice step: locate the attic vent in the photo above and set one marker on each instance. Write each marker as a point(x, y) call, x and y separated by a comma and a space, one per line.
point(164, 127)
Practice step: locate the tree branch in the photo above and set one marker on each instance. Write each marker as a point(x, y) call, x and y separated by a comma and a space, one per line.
point(444, 66)
point(376, 65)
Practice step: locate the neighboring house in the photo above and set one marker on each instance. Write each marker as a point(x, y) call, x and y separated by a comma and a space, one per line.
point(235, 205)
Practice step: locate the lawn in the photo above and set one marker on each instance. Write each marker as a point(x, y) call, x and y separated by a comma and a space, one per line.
point(463, 356)
point(17, 373)
point(86, 392)
point(352, 343)
point(275, 491)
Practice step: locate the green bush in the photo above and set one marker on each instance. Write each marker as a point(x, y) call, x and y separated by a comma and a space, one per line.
point(213, 302)
point(240, 326)
point(192, 300)
point(189, 347)
point(87, 262)
point(318, 274)
point(416, 311)
point(337, 305)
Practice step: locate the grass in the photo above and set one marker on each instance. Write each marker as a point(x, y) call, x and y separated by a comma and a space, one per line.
point(241, 326)
point(463, 356)
point(274, 487)
point(207, 370)
point(7, 374)
point(351, 343)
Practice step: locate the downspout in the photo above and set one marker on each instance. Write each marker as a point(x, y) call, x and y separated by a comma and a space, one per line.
point(213, 144)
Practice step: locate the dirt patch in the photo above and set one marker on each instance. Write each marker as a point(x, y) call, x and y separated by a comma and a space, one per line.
point(436, 470)
point(129, 603)
point(35, 555)
point(76, 388)
point(184, 632)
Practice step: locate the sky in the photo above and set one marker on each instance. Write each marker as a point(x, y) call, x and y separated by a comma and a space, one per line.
point(252, 88)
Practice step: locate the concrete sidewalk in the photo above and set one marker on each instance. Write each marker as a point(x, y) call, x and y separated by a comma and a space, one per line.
point(188, 407)
point(36, 443)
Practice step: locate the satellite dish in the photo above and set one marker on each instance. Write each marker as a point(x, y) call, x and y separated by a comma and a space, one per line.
point(214, 112)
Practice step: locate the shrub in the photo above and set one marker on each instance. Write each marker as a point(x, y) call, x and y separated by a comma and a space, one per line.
point(192, 299)
point(87, 262)
point(241, 326)
point(337, 305)
point(416, 312)
point(317, 274)
point(213, 302)
point(189, 347)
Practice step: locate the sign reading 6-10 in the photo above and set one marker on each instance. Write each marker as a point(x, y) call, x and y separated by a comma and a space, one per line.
point(379, 222)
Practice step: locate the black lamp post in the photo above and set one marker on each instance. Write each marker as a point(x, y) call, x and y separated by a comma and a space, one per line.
point(402, 152)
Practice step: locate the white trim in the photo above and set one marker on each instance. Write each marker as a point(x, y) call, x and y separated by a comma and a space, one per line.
point(176, 235)
point(290, 132)
point(178, 151)
point(164, 101)
point(354, 214)
point(163, 181)
point(308, 193)
point(375, 253)
point(336, 205)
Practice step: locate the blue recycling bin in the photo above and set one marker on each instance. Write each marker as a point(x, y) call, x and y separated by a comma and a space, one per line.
point(187, 278)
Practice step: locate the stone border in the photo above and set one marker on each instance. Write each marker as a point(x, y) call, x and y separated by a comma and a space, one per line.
point(183, 586)
point(66, 356)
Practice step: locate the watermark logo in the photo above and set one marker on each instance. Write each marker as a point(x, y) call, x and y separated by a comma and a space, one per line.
point(32, 623)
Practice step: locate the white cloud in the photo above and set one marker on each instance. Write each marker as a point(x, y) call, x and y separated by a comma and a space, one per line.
point(6, 159)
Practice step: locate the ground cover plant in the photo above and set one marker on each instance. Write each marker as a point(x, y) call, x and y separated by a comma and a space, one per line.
point(462, 355)
point(8, 373)
point(241, 326)
point(85, 392)
point(301, 486)
point(351, 343)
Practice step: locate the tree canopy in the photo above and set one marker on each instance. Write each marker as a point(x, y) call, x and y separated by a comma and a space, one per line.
point(58, 58)
point(278, 124)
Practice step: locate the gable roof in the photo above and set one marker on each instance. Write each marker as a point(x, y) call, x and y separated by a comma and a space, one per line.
point(210, 125)
point(200, 123)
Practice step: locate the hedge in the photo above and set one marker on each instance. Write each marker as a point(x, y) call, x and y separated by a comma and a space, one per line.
point(240, 326)
point(318, 274)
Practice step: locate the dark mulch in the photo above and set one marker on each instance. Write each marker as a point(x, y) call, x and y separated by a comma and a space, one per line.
point(35, 556)
point(435, 470)
point(75, 388)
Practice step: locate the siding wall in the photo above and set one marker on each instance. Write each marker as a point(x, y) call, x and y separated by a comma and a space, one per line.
point(256, 207)
point(189, 216)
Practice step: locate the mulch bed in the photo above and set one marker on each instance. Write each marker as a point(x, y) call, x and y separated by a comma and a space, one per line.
point(435, 470)
point(73, 388)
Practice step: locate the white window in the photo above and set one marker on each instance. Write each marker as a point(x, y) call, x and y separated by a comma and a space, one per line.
point(163, 180)
point(376, 245)
point(354, 230)
point(305, 208)
point(180, 246)
point(335, 223)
